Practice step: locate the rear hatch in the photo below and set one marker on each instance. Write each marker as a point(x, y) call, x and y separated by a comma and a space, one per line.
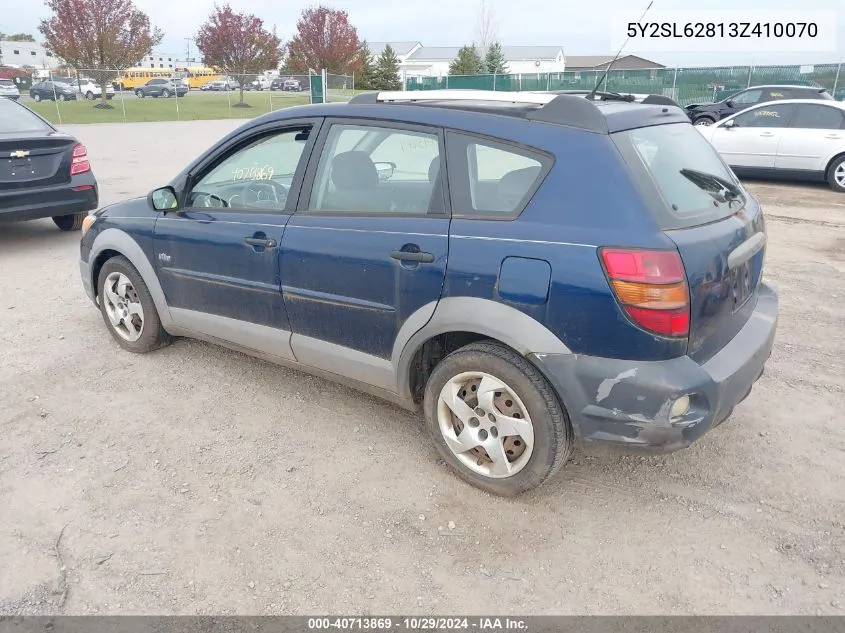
point(32, 152)
point(716, 224)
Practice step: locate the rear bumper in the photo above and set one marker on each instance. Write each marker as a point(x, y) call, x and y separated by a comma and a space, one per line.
point(628, 403)
point(48, 202)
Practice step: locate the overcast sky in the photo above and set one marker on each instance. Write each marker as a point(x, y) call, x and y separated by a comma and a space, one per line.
point(580, 27)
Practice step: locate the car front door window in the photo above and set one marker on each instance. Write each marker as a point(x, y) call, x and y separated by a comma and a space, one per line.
point(257, 176)
point(749, 97)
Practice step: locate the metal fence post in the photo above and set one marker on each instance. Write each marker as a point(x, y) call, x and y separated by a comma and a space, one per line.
point(494, 80)
point(750, 70)
point(674, 84)
point(836, 81)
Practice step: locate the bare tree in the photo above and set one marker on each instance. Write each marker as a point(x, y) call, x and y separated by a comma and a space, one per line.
point(485, 28)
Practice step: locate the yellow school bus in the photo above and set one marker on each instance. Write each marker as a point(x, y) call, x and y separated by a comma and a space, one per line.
point(132, 78)
point(197, 76)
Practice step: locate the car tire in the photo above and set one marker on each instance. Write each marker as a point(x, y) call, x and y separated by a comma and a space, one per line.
point(71, 222)
point(36, 97)
point(89, 95)
point(139, 94)
point(836, 174)
point(520, 398)
point(128, 302)
point(704, 121)
point(62, 97)
point(165, 94)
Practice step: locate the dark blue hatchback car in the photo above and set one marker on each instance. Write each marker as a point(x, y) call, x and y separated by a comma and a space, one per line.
point(531, 270)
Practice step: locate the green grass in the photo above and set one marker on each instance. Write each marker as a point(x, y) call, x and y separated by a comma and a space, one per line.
point(196, 106)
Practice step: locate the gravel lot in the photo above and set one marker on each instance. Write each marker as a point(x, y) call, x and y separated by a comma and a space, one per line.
point(198, 480)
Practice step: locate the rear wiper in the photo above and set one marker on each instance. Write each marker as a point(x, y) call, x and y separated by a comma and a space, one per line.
point(729, 190)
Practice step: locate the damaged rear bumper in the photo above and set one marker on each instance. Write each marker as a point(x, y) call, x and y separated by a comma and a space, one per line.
point(629, 403)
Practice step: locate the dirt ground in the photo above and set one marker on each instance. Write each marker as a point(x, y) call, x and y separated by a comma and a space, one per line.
point(196, 480)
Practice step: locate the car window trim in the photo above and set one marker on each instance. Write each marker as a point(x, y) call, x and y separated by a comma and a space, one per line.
point(227, 147)
point(317, 153)
point(546, 166)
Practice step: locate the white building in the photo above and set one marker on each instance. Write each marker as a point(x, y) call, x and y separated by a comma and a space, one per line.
point(27, 54)
point(416, 60)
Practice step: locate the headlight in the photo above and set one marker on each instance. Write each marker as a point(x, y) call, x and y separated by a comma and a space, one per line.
point(87, 223)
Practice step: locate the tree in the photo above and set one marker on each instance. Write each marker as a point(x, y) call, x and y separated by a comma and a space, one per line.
point(468, 62)
point(325, 40)
point(102, 37)
point(18, 37)
point(365, 78)
point(238, 44)
point(387, 71)
point(495, 62)
point(485, 28)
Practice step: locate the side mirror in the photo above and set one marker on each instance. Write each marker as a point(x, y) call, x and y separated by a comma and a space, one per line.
point(730, 103)
point(731, 123)
point(163, 199)
point(385, 170)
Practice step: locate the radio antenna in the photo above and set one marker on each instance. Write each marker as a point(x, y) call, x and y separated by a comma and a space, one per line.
point(613, 61)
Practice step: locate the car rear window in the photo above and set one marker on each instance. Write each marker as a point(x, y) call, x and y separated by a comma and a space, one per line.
point(685, 181)
point(6, 82)
point(17, 118)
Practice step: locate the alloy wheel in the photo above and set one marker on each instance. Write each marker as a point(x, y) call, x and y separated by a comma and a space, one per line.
point(123, 306)
point(839, 175)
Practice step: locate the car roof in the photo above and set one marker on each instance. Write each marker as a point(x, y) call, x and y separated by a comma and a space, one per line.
point(792, 86)
point(822, 102)
point(574, 111)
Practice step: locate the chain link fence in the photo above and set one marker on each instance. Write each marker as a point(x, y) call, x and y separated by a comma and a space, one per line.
point(158, 94)
point(685, 85)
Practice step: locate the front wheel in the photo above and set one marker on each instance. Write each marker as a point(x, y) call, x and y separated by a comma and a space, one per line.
point(496, 420)
point(128, 309)
point(704, 121)
point(36, 97)
point(836, 175)
point(89, 95)
point(62, 98)
point(139, 94)
point(72, 222)
point(165, 94)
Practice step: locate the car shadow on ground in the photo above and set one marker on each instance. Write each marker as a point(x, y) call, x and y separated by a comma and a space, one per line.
point(16, 236)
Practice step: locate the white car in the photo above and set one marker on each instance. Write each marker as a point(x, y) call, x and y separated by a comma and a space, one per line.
point(90, 89)
point(8, 90)
point(795, 139)
point(262, 83)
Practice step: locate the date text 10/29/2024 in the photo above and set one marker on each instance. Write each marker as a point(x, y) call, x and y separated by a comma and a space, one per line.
point(420, 623)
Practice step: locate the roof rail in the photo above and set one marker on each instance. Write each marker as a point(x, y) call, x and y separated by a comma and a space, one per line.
point(537, 98)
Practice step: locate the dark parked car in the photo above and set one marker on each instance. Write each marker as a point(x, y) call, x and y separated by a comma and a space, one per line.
point(452, 251)
point(161, 88)
point(709, 113)
point(52, 90)
point(44, 173)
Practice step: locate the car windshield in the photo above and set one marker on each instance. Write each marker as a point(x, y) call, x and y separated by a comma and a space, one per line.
point(60, 84)
point(692, 183)
point(16, 118)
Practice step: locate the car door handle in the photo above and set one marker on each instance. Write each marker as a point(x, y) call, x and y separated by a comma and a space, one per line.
point(258, 241)
point(833, 136)
point(767, 134)
point(408, 256)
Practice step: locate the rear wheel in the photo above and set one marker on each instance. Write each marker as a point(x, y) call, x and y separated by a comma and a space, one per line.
point(495, 419)
point(89, 95)
point(62, 98)
point(139, 94)
point(836, 174)
point(128, 309)
point(72, 222)
point(36, 97)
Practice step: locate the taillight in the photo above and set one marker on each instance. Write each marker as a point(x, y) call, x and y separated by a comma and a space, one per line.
point(79, 162)
point(651, 287)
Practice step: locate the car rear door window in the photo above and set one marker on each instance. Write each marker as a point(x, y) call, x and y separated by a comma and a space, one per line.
point(818, 117)
point(774, 115)
point(492, 179)
point(775, 94)
point(378, 169)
